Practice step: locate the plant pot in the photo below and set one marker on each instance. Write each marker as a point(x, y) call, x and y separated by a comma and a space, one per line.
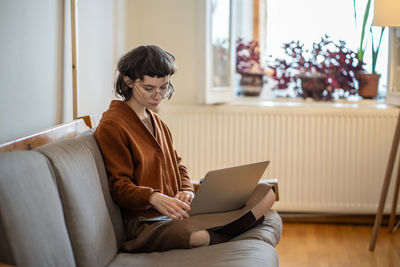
point(368, 84)
point(251, 84)
point(314, 86)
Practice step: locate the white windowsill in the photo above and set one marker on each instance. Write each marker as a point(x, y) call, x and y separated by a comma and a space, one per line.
point(310, 103)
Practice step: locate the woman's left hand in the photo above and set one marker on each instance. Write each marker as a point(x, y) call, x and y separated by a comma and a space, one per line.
point(185, 196)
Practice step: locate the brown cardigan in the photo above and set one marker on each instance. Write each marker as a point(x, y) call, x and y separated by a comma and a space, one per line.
point(138, 163)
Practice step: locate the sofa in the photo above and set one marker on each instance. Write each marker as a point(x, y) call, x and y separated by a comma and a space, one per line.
point(56, 210)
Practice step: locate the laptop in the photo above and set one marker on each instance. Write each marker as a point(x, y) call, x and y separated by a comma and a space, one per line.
point(224, 189)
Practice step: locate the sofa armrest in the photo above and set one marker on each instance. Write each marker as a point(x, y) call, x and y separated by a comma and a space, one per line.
point(273, 182)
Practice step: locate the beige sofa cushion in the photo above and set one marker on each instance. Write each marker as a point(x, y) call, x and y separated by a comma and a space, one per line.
point(88, 221)
point(33, 231)
point(240, 253)
point(269, 231)
point(113, 208)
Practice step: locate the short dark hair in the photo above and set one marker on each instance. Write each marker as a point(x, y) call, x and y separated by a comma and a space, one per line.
point(148, 60)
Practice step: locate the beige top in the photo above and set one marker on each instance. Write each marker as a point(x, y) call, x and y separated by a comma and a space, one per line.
point(149, 125)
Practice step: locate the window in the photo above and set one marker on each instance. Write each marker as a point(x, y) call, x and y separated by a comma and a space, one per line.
point(218, 68)
point(274, 22)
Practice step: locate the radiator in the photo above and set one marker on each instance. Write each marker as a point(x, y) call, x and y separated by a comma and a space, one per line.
point(326, 157)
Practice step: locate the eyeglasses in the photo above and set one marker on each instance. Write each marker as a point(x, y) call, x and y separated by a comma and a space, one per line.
point(164, 91)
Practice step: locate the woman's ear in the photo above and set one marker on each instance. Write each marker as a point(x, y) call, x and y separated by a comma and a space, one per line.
point(128, 81)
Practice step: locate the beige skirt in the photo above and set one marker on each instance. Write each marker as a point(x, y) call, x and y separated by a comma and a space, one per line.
point(166, 235)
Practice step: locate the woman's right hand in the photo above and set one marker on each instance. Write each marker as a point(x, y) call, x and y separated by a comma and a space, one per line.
point(169, 206)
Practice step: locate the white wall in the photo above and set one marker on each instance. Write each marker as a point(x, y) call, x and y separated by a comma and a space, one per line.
point(97, 39)
point(172, 25)
point(35, 86)
point(30, 66)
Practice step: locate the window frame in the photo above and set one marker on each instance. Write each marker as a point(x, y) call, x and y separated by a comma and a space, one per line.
point(208, 93)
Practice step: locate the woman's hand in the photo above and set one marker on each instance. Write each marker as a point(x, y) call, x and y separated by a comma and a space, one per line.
point(185, 196)
point(169, 206)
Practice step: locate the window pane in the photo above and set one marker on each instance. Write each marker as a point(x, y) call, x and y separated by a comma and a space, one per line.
point(220, 42)
point(309, 20)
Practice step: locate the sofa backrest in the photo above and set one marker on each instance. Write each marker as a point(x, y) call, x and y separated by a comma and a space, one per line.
point(113, 209)
point(77, 163)
point(32, 225)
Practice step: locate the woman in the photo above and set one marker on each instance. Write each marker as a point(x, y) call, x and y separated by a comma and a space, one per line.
point(146, 177)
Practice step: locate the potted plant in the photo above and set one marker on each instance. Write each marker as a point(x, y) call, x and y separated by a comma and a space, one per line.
point(368, 82)
point(249, 67)
point(319, 71)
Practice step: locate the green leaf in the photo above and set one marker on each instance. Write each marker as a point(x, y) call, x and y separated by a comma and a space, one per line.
point(355, 12)
point(365, 19)
point(376, 51)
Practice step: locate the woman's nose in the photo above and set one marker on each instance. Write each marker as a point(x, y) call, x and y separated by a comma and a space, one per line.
point(157, 95)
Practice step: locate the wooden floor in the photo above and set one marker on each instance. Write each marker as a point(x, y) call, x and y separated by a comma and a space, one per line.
point(308, 244)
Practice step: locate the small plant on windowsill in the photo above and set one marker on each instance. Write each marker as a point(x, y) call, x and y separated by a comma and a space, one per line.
point(248, 65)
point(368, 82)
point(319, 71)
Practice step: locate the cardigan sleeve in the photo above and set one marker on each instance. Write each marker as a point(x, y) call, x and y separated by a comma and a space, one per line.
point(120, 168)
